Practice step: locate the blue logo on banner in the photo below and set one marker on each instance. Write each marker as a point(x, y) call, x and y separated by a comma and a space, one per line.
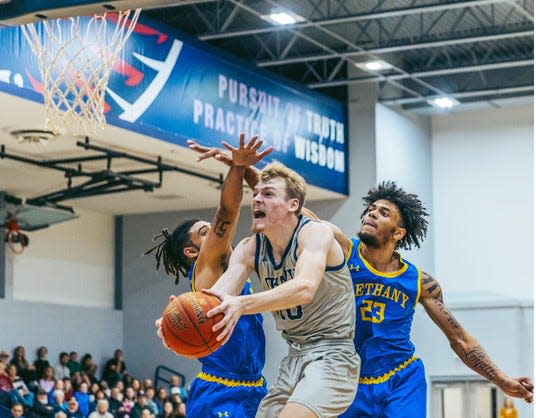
point(174, 90)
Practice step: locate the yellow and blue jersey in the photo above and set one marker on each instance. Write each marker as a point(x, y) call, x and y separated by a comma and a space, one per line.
point(230, 383)
point(385, 305)
point(242, 357)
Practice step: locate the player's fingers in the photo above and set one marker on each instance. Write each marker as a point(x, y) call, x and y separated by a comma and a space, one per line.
point(527, 383)
point(267, 151)
point(158, 323)
point(241, 140)
point(253, 142)
point(208, 154)
point(228, 146)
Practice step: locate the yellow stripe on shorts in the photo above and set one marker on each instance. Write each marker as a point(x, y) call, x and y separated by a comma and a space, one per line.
point(230, 382)
point(386, 376)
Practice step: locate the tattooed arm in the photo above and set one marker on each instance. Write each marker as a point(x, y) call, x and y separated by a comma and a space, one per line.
point(216, 247)
point(466, 346)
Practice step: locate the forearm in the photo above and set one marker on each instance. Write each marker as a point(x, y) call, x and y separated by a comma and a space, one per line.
point(232, 189)
point(476, 358)
point(287, 295)
point(251, 176)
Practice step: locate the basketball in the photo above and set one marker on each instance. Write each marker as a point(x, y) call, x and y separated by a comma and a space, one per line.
point(186, 328)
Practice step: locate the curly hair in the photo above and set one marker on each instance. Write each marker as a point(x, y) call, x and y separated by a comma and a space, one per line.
point(169, 251)
point(411, 209)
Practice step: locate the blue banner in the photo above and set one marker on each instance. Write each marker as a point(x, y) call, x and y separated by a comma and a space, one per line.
point(174, 89)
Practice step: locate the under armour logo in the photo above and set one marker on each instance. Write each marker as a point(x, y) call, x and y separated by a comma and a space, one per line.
point(223, 414)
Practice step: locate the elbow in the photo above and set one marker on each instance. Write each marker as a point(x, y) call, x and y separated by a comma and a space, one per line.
point(305, 294)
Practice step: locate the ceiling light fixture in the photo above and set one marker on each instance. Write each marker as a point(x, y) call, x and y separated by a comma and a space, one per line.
point(283, 17)
point(444, 102)
point(374, 65)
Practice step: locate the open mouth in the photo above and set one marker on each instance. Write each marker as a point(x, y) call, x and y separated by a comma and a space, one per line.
point(258, 214)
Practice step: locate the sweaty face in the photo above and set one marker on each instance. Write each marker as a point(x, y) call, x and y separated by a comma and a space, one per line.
point(270, 205)
point(379, 224)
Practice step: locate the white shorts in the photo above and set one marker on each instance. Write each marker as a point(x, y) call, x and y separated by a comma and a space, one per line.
point(322, 376)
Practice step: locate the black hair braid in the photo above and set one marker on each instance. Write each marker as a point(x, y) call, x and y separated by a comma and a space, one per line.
point(411, 209)
point(169, 251)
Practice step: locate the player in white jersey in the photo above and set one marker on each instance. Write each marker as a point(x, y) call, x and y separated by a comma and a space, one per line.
point(308, 289)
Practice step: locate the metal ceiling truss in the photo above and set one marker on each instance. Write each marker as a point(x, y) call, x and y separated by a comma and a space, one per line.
point(421, 40)
point(104, 181)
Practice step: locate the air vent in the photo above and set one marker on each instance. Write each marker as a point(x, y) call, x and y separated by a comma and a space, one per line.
point(33, 136)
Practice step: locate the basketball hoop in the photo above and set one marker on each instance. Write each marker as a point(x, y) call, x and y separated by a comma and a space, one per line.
point(75, 58)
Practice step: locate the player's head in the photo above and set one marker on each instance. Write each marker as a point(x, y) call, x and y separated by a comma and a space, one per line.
point(392, 215)
point(279, 193)
point(178, 250)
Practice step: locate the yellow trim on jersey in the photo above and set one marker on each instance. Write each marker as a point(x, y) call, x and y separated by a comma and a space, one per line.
point(419, 286)
point(349, 253)
point(230, 382)
point(386, 376)
point(380, 273)
point(193, 276)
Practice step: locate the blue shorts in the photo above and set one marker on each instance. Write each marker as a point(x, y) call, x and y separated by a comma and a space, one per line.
point(401, 396)
point(219, 400)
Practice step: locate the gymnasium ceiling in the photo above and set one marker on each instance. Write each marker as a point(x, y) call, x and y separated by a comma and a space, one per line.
point(471, 50)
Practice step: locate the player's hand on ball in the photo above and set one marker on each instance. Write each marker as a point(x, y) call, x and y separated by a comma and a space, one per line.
point(158, 326)
point(231, 308)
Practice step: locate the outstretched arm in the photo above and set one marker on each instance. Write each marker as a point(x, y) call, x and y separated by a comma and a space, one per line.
point(466, 346)
point(216, 248)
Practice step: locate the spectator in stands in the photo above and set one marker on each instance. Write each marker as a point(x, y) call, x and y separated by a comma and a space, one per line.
point(82, 396)
point(47, 381)
point(179, 408)
point(128, 401)
point(6, 387)
point(102, 410)
point(115, 369)
point(98, 396)
point(148, 383)
point(41, 363)
point(89, 368)
point(136, 385)
point(23, 394)
point(141, 404)
point(73, 364)
point(73, 411)
point(17, 410)
point(145, 413)
point(60, 414)
point(61, 370)
point(161, 399)
point(41, 408)
point(115, 402)
point(58, 402)
point(4, 356)
point(175, 387)
point(24, 369)
point(167, 410)
point(151, 404)
point(67, 389)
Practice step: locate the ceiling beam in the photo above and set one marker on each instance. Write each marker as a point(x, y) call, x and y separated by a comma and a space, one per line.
point(353, 18)
point(431, 73)
point(405, 47)
point(461, 95)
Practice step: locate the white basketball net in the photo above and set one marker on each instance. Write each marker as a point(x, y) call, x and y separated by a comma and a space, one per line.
point(75, 58)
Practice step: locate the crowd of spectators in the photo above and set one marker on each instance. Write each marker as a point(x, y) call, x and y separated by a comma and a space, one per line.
point(72, 389)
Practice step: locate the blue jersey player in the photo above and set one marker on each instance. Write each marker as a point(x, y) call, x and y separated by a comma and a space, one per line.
point(230, 383)
point(387, 289)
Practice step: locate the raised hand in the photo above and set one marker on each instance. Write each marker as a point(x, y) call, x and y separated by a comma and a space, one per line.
point(210, 152)
point(247, 155)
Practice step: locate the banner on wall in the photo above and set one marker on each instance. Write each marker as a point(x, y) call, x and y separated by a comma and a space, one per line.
point(174, 89)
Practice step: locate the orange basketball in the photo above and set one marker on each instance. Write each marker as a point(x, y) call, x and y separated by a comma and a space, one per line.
point(186, 328)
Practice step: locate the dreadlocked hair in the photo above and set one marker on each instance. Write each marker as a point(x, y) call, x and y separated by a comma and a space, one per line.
point(169, 250)
point(411, 209)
